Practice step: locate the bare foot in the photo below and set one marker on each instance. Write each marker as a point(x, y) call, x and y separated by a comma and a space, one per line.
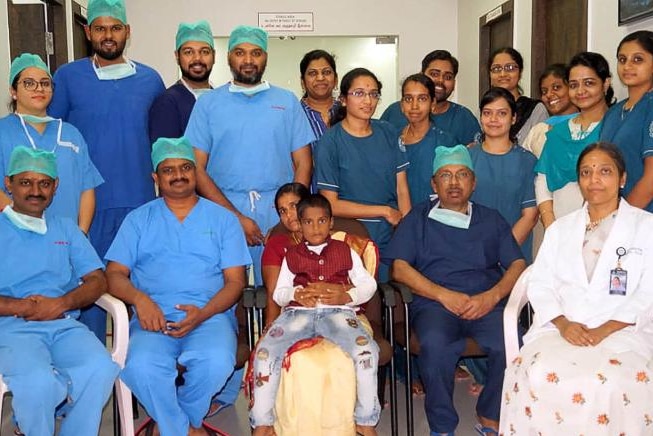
point(475, 389)
point(192, 431)
point(489, 423)
point(461, 374)
point(417, 388)
point(264, 430)
point(365, 430)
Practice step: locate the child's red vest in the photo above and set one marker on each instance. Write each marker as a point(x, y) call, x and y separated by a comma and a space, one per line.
point(332, 265)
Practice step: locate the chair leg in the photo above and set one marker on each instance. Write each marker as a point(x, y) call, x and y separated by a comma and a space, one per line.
point(409, 391)
point(125, 407)
point(394, 428)
point(116, 414)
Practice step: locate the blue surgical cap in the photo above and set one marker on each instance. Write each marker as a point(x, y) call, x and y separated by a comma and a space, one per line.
point(250, 34)
point(23, 61)
point(199, 31)
point(457, 155)
point(171, 148)
point(24, 159)
point(106, 8)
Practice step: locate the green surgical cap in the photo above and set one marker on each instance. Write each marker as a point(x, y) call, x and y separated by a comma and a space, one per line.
point(106, 8)
point(199, 31)
point(171, 148)
point(250, 34)
point(457, 155)
point(24, 159)
point(26, 60)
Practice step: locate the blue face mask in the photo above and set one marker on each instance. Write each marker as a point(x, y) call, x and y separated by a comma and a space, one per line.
point(116, 71)
point(249, 91)
point(26, 222)
point(451, 217)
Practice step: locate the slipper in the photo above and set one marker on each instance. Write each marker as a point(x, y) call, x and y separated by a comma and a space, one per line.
point(212, 431)
point(215, 408)
point(485, 431)
point(146, 428)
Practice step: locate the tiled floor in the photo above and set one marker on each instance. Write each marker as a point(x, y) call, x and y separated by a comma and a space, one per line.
point(233, 420)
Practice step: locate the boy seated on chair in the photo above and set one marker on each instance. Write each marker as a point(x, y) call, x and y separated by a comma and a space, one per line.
point(321, 284)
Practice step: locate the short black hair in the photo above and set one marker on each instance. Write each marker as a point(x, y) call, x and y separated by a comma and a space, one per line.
point(440, 55)
point(314, 200)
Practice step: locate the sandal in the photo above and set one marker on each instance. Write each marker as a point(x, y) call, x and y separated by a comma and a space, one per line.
point(146, 428)
point(475, 389)
point(485, 431)
point(215, 408)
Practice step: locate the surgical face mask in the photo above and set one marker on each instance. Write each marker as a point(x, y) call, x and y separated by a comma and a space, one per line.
point(60, 142)
point(451, 217)
point(35, 119)
point(249, 91)
point(26, 222)
point(115, 71)
point(197, 92)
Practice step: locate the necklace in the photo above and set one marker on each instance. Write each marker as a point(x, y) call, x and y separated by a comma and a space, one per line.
point(408, 132)
point(592, 225)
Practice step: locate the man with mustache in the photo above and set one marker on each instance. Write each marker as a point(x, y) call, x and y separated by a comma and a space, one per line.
point(461, 261)
point(180, 262)
point(51, 362)
point(250, 138)
point(195, 54)
point(455, 119)
point(107, 97)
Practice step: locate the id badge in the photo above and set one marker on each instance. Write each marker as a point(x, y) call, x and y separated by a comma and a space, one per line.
point(618, 281)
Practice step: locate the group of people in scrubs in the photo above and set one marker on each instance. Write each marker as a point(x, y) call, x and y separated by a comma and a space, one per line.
point(180, 260)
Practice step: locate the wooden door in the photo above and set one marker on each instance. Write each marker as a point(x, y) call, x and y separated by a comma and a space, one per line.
point(559, 32)
point(495, 31)
point(40, 28)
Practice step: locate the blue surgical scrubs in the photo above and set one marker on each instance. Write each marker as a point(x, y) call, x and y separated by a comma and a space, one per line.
point(632, 131)
point(250, 141)
point(112, 115)
point(506, 182)
point(363, 170)
point(170, 112)
point(458, 121)
point(177, 263)
point(56, 365)
point(75, 170)
point(470, 261)
point(421, 155)
point(319, 127)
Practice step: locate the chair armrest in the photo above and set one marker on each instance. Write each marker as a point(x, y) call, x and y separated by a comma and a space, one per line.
point(260, 297)
point(516, 302)
point(405, 291)
point(118, 312)
point(387, 295)
point(248, 298)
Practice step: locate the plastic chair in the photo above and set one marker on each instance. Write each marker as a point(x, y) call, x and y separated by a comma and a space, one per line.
point(122, 395)
point(511, 315)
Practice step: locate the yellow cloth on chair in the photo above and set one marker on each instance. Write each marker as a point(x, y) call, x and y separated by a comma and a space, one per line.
point(324, 405)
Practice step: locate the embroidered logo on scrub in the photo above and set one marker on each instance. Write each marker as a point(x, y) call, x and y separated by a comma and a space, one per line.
point(352, 322)
point(276, 332)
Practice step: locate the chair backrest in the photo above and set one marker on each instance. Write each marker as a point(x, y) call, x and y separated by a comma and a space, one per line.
point(516, 302)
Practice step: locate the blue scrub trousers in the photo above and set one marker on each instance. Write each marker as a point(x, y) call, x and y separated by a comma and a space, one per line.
point(441, 336)
point(263, 212)
point(208, 353)
point(53, 367)
point(103, 229)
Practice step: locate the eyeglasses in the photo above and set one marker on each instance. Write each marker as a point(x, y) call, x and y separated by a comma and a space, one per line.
point(32, 85)
point(191, 52)
point(448, 176)
point(327, 72)
point(359, 93)
point(508, 68)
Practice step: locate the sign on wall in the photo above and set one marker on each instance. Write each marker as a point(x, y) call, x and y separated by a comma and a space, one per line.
point(286, 22)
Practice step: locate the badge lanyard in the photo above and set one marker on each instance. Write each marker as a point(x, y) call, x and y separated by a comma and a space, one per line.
point(619, 276)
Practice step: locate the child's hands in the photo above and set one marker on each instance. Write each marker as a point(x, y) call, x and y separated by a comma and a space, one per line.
point(331, 294)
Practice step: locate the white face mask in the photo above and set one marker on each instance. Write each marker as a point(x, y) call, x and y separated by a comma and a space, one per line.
point(451, 217)
point(60, 142)
point(251, 90)
point(115, 71)
point(26, 222)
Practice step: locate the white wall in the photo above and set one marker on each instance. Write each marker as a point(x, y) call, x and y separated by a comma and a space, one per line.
point(5, 57)
point(603, 37)
point(421, 25)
